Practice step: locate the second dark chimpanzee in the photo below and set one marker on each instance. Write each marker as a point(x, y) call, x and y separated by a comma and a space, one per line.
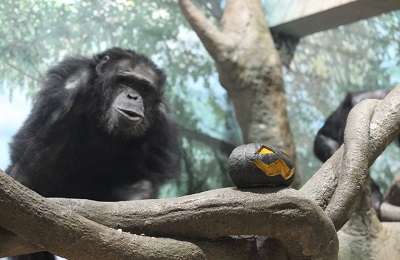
point(330, 136)
point(99, 129)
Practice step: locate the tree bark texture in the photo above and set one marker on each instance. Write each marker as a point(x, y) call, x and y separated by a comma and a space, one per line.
point(365, 237)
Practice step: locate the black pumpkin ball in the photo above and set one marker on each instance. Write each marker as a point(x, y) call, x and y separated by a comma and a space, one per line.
point(258, 164)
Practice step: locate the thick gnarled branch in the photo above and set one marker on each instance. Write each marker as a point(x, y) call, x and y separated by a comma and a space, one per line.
point(371, 126)
point(70, 235)
point(281, 213)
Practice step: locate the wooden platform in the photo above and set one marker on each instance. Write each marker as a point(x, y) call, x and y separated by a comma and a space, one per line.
point(298, 18)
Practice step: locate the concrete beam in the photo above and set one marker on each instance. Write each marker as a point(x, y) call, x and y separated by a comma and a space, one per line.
point(298, 18)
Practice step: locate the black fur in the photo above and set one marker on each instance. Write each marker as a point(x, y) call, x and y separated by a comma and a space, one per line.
point(75, 144)
point(330, 136)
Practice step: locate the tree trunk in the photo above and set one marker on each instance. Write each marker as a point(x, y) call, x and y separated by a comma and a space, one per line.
point(249, 69)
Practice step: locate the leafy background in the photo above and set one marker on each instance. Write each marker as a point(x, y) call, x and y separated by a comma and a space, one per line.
point(37, 33)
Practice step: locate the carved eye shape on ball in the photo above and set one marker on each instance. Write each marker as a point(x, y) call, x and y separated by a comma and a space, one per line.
point(272, 163)
point(265, 150)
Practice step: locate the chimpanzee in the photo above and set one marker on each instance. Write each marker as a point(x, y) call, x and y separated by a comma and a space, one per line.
point(330, 136)
point(99, 129)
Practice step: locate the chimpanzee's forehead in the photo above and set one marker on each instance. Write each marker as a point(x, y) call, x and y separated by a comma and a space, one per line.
point(140, 71)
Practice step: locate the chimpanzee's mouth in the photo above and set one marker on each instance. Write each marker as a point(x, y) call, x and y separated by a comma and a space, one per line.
point(129, 114)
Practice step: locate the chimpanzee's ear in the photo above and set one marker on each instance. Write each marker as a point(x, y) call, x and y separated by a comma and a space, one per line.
point(100, 68)
point(163, 109)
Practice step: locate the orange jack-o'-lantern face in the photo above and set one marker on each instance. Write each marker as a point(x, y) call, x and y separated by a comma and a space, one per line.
point(259, 164)
point(273, 162)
